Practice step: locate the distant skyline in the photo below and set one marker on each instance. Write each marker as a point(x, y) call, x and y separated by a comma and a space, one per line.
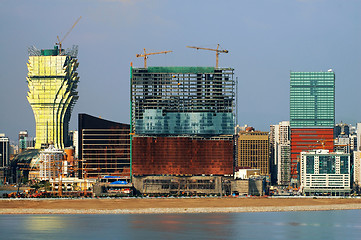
point(266, 40)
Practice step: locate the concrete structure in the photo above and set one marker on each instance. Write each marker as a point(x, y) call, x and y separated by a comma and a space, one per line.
point(246, 173)
point(342, 144)
point(52, 81)
point(72, 184)
point(280, 148)
point(312, 114)
point(182, 121)
point(52, 164)
point(182, 185)
point(253, 151)
point(323, 172)
point(358, 132)
point(357, 168)
point(353, 142)
point(182, 101)
point(74, 137)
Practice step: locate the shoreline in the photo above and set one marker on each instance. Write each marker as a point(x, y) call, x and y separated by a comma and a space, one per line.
point(26, 211)
point(173, 206)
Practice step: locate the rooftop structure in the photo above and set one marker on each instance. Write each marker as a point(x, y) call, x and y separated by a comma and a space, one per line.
point(52, 81)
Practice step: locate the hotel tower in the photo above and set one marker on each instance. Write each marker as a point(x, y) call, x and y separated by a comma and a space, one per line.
point(52, 81)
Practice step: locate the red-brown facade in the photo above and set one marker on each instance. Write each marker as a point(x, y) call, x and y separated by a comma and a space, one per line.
point(181, 156)
point(305, 139)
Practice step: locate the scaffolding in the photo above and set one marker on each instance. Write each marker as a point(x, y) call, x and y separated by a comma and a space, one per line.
point(182, 100)
point(52, 81)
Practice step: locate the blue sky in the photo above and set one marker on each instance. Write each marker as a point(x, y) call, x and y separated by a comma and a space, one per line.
point(266, 40)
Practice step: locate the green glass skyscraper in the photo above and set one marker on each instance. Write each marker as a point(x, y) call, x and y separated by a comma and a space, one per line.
point(312, 114)
point(312, 99)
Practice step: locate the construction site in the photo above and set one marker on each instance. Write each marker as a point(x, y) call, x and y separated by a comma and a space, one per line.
point(182, 124)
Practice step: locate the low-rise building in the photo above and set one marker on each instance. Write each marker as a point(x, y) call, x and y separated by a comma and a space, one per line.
point(325, 173)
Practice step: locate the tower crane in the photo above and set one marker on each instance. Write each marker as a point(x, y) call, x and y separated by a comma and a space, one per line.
point(217, 50)
point(145, 55)
point(59, 43)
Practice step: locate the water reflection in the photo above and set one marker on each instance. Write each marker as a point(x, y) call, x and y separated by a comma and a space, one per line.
point(41, 223)
point(215, 225)
point(273, 225)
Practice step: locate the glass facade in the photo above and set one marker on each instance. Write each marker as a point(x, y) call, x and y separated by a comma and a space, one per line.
point(155, 121)
point(344, 165)
point(327, 165)
point(310, 164)
point(312, 99)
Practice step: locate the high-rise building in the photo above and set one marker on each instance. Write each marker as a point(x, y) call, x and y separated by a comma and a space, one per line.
point(253, 151)
point(312, 114)
point(357, 168)
point(183, 120)
point(104, 148)
point(52, 81)
point(280, 145)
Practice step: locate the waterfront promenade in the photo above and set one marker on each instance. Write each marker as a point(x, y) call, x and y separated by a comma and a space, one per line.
point(173, 205)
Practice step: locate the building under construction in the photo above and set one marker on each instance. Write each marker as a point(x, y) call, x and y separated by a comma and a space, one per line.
point(182, 123)
point(52, 81)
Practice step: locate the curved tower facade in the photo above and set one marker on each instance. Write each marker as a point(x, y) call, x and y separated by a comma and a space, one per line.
point(52, 81)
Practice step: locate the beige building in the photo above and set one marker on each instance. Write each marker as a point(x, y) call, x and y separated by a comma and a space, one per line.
point(253, 151)
point(357, 167)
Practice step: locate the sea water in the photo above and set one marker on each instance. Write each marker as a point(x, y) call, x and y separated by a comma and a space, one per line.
point(344, 224)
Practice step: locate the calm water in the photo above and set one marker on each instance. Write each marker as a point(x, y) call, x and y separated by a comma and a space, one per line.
point(278, 225)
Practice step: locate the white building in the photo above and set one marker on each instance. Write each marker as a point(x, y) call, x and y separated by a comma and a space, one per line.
point(323, 172)
point(281, 144)
point(74, 139)
point(52, 163)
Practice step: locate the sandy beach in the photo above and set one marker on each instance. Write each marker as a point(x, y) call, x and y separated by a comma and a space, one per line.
point(173, 205)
